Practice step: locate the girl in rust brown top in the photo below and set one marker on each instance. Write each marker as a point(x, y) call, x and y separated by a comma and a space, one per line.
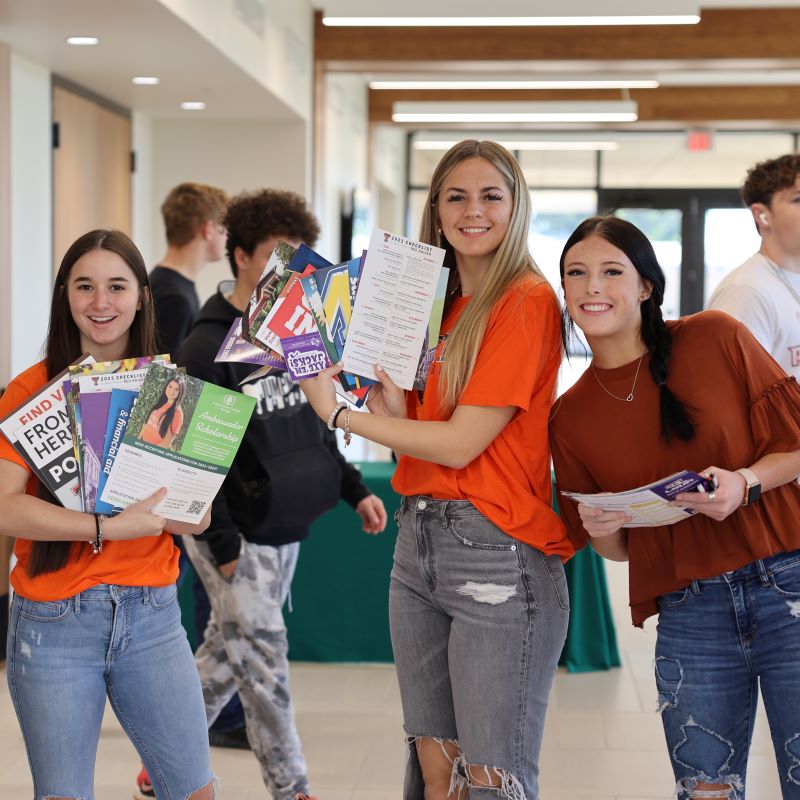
point(698, 393)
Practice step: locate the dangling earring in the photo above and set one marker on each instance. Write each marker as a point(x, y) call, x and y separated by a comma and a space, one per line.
point(439, 237)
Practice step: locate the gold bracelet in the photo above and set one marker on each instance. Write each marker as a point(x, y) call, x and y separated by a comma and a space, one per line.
point(97, 542)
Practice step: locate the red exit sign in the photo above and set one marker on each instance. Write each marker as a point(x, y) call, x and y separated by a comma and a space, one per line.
point(698, 141)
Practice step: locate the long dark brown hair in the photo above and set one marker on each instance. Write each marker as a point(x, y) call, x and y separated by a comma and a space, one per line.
point(169, 415)
point(63, 346)
point(675, 417)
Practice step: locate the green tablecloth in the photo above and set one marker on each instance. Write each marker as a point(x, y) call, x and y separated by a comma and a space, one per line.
point(340, 592)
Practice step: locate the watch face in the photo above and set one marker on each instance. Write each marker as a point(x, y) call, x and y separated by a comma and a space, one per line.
point(753, 493)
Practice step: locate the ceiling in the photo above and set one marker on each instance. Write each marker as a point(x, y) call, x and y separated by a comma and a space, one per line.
point(738, 68)
point(137, 37)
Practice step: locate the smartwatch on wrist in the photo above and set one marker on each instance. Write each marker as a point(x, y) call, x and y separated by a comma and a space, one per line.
point(752, 489)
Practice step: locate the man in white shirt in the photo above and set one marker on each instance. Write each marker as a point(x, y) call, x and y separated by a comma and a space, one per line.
point(764, 292)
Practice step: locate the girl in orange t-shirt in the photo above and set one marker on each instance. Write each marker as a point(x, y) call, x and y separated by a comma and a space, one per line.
point(95, 612)
point(478, 600)
point(165, 420)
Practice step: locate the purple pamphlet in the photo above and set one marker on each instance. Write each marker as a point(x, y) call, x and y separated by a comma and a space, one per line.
point(305, 355)
point(685, 481)
point(234, 348)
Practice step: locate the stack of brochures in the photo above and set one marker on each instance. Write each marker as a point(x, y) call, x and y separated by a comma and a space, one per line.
point(306, 314)
point(103, 435)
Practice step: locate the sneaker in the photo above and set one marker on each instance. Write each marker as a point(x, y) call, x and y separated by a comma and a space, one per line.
point(144, 789)
point(235, 739)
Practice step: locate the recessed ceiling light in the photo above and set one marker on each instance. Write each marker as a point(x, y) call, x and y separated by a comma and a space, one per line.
point(84, 41)
point(145, 80)
point(193, 105)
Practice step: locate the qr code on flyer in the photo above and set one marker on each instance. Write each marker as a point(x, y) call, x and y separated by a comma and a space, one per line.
point(195, 507)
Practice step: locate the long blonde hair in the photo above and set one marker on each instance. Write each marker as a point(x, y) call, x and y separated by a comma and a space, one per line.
point(511, 261)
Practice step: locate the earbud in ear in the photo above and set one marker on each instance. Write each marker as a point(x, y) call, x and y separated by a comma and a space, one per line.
point(762, 218)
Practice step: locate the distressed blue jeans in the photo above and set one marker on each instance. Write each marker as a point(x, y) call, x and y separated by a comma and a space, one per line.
point(719, 641)
point(478, 620)
point(122, 642)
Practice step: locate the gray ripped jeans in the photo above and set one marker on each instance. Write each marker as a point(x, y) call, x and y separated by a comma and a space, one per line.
point(245, 650)
point(478, 621)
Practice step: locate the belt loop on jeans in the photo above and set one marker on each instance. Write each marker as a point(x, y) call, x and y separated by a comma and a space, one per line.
point(146, 595)
point(762, 573)
point(76, 602)
point(695, 587)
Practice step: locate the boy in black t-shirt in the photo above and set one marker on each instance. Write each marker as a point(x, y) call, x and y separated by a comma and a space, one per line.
point(193, 215)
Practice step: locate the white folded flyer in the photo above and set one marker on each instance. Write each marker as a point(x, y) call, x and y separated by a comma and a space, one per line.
point(649, 505)
point(396, 292)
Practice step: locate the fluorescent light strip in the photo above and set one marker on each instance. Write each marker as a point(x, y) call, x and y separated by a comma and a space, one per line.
point(754, 77)
point(582, 83)
point(526, 145)
point(145, 80)
point(516, 116)
point(502, 22)
point(193, 105)
point(83, 41)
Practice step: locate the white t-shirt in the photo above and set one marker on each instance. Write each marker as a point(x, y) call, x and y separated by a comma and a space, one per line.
point(756, 296)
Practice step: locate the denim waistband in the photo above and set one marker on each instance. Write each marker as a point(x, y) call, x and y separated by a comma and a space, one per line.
point(423, 504)
point(113, 593)
point(760, 569)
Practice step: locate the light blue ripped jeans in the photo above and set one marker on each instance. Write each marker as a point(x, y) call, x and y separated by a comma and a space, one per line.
point(478, 620)
point(719, 640)
point(122, 642)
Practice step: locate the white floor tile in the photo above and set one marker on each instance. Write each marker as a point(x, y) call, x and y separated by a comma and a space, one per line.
point(603, 738)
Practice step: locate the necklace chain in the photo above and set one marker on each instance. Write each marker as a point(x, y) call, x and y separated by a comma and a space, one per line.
point(782, 278)
point(629, 398)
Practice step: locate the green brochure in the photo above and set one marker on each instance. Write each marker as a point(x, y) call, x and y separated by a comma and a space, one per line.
point(183, 434)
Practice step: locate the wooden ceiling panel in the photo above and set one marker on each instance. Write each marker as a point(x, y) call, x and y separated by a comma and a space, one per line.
point(740, 33)
point(666, 104)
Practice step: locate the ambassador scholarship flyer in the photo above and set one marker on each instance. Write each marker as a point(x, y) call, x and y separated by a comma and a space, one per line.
point(193, 466)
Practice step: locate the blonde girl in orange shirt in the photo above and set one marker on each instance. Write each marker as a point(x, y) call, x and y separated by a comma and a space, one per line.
point(95, 613)
point(478, 600)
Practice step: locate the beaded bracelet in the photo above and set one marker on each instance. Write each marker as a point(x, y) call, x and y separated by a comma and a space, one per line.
point(331, 423)
point(336, 415)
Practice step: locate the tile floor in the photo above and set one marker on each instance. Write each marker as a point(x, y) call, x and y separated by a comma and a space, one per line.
point(603, 740)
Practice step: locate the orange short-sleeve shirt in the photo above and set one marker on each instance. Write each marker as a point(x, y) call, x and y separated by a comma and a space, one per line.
point(517, 365)
point(149, 561)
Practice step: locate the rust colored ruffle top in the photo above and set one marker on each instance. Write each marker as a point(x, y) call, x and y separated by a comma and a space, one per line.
point(743, 405)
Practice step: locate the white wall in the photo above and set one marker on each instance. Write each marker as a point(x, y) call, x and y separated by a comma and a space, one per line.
point(143, 193)
point(5, 212)
point(344, 153)
point(237, 156)
point(27, 212)
point(389, 179)
point(280, 57)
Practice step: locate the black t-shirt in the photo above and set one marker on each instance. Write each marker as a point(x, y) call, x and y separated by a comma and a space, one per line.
point(176, 307)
